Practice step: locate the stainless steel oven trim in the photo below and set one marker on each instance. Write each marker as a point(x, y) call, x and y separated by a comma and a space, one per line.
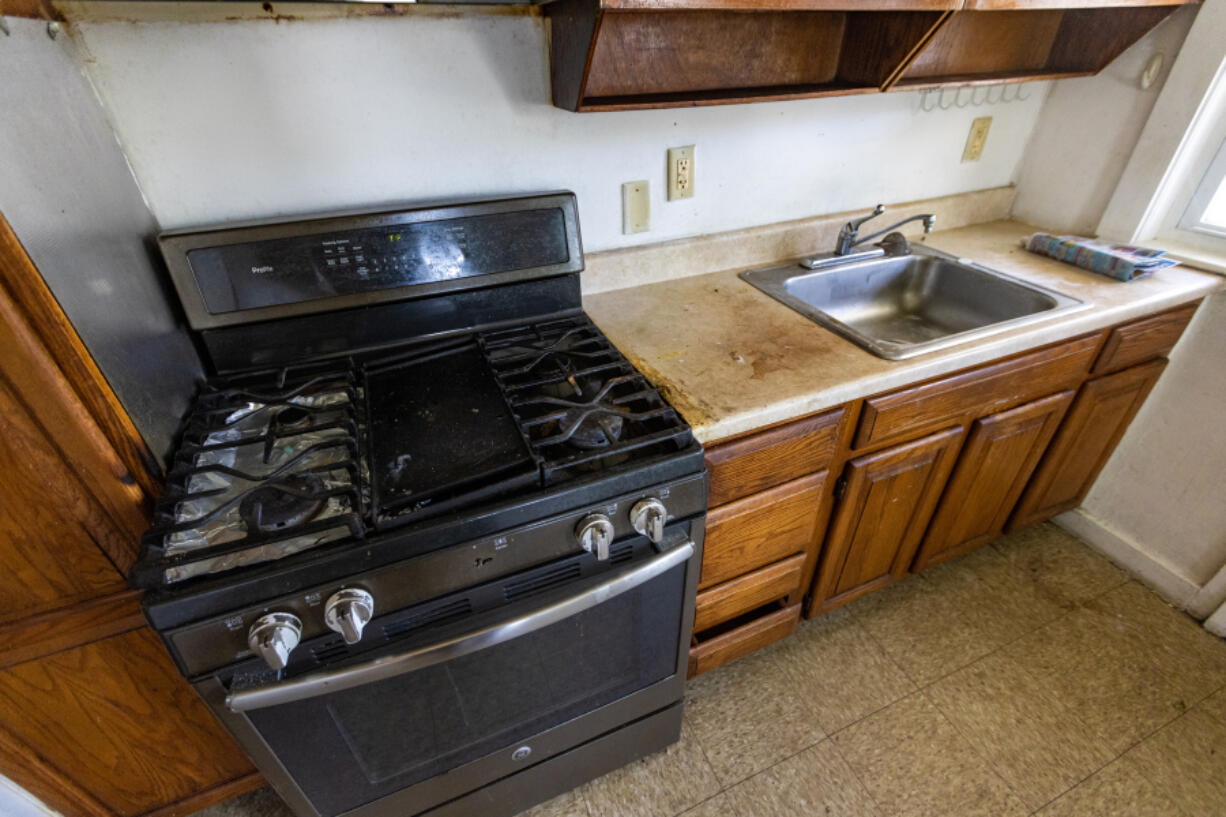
point(322, 683)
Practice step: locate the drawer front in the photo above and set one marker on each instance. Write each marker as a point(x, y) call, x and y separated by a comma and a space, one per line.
point(995, 387)
point(753, 590)
point(729, 646)
point(760, 529)
point(751, 464)
point(1143, 340)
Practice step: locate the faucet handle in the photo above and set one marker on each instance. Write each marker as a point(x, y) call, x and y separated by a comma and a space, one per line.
point(853, 226)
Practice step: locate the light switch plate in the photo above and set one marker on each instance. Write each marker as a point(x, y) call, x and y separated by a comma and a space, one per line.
point(977, 139)
point(680, 173)
point(636, 207)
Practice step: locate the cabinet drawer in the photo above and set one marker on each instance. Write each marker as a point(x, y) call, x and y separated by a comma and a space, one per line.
point(757, 530)
point(740, 595)
point(750, 464)
point(1142, 340)
point(742, 640)
point(975, 392)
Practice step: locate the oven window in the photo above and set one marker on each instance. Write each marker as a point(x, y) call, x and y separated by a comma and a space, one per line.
point(354, 746)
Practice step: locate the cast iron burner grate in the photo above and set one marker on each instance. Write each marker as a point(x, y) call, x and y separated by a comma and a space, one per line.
point(581, 405)
point(270, 464)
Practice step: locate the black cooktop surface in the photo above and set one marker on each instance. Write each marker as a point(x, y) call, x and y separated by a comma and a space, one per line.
point(277, 462)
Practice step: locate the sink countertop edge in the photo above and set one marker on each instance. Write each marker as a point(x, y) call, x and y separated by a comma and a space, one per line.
point(732, 359)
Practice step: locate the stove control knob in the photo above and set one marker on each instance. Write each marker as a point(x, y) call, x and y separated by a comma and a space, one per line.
point(347, 612)
point(274, 636)
point(595, 534)
point(648, 517)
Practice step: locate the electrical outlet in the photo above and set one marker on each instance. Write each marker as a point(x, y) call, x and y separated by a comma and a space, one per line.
point(636, 207)
point(977, 139)
point(680, 173)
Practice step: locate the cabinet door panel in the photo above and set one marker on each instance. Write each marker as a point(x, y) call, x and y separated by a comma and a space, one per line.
point(1000, 454)
point(888, 500)
point(47, 548)
point(116, 713)
point(1099, 416)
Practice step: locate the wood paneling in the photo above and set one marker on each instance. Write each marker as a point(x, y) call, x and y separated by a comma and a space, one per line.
point(760, 529)
point(1144, 339)
point(49, 524)
point(1000, 454)
point(882, 514)
point(662, 52)
point(729, 646)
point(991, 5)
point(759, 461)
point(1095, 423)
point(117, 714)
point(30, 293)
point(975, 392)
point(744, 593)
point(31, 638)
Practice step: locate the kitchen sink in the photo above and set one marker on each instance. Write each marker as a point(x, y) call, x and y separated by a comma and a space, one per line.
point(899, 306)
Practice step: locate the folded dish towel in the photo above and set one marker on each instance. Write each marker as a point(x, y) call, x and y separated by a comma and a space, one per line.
point(1120, 261)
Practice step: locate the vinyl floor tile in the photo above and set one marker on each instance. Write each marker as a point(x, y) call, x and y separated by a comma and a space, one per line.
point(817, 781)
point(749, 714)
point(922, 629)
point(841, 671)
point(914, 763)
point(718, 806)
point(1119, 789)
point(1125, 662)
point(1030, 738)
point(660, 785)
point(1058, 562)
point(1186, 759)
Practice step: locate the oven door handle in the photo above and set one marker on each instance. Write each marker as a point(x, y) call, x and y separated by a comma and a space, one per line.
point(322, 683)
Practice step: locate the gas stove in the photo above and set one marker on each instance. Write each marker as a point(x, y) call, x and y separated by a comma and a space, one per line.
point(421, 477)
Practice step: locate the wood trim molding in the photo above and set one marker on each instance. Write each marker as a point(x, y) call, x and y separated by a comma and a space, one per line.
point(43, 780)
point(28, 639)
point(216, 794)
point(28, 290)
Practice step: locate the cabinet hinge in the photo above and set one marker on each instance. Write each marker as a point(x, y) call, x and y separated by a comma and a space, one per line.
point(840, 487)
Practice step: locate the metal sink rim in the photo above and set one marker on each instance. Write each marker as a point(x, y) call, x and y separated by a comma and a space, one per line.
point(773, 282)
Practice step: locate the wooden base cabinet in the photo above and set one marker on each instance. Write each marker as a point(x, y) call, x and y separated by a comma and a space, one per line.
point(882, 514)
point(1001, 453)
point(1098, 419)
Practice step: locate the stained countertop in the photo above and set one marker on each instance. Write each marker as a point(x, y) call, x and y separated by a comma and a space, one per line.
point(731, 358)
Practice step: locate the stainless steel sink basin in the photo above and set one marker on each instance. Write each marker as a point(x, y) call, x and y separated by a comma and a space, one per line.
point(901, 306)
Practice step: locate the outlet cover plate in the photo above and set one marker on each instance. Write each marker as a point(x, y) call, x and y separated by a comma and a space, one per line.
point(681, 173)
point(977, 138)
point(636, 207)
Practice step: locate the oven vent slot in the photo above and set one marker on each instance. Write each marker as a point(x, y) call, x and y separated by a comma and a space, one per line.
point(541, 581)
point(445, 612)
point(330, 651)
point(621, 551)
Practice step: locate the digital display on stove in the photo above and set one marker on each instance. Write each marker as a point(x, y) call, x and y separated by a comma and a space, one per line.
point(305, 268)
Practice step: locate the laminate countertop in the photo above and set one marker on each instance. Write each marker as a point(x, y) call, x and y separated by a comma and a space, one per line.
point(731, 358)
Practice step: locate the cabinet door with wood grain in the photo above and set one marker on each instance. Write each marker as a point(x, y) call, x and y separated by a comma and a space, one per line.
point(885, 506)
point(1097, 420)
point(1000, 454)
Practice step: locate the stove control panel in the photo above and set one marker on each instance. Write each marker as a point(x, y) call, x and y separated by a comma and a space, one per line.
point(595, 534)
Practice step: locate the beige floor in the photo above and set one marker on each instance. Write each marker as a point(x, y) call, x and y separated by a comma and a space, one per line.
point(1029, 677)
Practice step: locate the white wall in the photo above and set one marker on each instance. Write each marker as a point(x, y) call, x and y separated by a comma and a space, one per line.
point(248, 119)
point(1087, 131)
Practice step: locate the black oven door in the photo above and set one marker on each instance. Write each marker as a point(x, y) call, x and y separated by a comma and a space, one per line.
point(467, 703)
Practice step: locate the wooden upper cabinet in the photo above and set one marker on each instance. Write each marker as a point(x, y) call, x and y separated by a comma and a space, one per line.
point(999, 456)
point(1098, 419)
point(1025, 41)
point(881, 516)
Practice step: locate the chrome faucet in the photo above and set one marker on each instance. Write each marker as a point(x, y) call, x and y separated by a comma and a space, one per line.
point(849, 235)
point(849, 239)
